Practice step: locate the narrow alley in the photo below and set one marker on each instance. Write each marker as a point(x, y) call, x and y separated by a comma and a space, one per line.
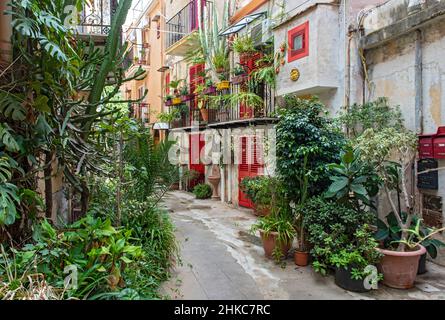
point(222, 260)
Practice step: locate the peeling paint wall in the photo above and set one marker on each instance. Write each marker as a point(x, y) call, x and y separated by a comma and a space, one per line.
point(392, 66)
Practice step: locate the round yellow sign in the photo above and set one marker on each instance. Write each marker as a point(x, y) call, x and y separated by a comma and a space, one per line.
point(295, 74)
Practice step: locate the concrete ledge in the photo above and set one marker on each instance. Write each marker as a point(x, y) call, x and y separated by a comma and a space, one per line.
point(407, 25)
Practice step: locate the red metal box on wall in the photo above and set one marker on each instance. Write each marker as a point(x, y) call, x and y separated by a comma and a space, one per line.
point(426, 149)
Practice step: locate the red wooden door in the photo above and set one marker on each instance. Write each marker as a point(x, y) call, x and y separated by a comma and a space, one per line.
point(196, 144)
point(194, 13)
point(250, 166)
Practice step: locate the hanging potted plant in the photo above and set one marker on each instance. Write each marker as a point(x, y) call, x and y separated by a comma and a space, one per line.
point(224, 84)
point(185, 94)
point(244, 46)
point(239, 74)
point(168, 100)
point(220, 62)
point(210, 88)
point(177, 96)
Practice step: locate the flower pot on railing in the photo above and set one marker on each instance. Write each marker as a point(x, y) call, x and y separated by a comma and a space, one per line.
point(205, 114)
point(168, 102)
point(239, 79)
point(176, 101)
point(186, 97)
point(223, 85)
point(210, 90)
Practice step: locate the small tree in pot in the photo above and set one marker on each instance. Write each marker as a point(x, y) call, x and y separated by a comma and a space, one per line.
point(392, 151)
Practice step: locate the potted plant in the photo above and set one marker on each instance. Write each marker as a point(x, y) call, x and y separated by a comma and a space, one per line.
point(277, 233)
point(223, 84)
point(239, 74)
point(202, 191)
point(210, 88)
point(202, 101)
point(260, 190)
point(244, 46)
point(354, 263)
point(392, 151)
point(185, 94)
point(389, 233)
point(168, 100)
point(220, 61)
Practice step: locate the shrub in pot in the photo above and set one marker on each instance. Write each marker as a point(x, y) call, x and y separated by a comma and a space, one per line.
point(262, 191)
point(331, 227)
point(389, 233)
point(392, 152)
point(354, 263)
point(202, 191)
point(277, 233)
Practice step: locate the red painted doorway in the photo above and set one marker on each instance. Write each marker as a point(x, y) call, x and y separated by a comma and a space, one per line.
point(249, 167)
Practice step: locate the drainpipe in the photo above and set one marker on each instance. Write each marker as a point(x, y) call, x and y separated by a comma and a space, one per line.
point(418, 82)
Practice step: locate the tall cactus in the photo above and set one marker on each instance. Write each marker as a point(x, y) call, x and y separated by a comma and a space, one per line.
point(209, 38)
point(111, 49)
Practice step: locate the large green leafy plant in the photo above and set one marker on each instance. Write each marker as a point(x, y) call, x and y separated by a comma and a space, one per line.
point(353, 181)
point(303, 129)
point(331, 228)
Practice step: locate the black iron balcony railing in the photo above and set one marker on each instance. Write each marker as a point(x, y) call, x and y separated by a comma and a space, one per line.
point(226, 113)
point(184, 22)
point(188, 118)
point(95, 19)
point(140, 111)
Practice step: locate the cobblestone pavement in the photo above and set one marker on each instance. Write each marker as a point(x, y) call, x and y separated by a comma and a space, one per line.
point(221, 260)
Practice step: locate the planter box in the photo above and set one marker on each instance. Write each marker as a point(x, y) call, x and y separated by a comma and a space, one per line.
point(239, 79)
point(176, 101)
point(185, 98)
point(223, 85)
point(210, 90)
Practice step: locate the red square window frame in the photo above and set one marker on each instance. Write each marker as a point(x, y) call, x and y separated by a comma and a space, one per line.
point(297, 31)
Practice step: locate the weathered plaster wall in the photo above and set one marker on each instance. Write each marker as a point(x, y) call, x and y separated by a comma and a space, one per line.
point(320, 70)
point(392, 74)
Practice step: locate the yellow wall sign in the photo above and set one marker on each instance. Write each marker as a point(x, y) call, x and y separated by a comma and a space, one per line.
point(295, 74)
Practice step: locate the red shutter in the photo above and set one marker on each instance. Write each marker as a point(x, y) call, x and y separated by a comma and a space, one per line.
point(167, 83)
point(196, 144)
point(249, 153)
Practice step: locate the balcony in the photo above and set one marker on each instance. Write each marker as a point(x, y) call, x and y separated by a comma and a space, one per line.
point(95, 20)
point(179, 28)
point(226, 115)
point(188, 119)
point(140, 111)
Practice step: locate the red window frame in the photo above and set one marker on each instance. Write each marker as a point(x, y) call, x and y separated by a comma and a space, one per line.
point(301, 30)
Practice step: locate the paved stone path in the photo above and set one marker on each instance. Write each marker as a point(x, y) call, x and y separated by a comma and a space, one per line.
point(221, 260)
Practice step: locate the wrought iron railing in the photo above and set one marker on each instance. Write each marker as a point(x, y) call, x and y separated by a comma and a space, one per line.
point(184, 22)
point(227, 112)
point(95, 19)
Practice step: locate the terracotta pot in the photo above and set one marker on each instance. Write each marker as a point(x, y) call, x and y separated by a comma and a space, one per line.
point(270, 243)
point(301, 258)
point(400, 268)
point(205, 114)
